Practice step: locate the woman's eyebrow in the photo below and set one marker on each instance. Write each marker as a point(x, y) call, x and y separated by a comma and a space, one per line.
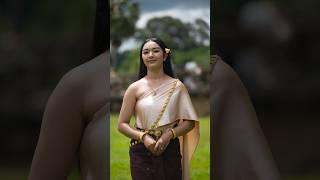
point(151, 48)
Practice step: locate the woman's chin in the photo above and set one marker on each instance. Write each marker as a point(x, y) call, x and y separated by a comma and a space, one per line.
point(154, 65)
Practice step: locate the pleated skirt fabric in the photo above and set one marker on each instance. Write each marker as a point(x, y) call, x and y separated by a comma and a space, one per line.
point(146, 166)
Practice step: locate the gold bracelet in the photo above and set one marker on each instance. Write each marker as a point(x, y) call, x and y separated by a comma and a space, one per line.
point(141, 136)
point(174, 133)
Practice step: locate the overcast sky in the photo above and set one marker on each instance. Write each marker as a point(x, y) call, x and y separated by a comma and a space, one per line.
point(185, 10)
point(149, 5)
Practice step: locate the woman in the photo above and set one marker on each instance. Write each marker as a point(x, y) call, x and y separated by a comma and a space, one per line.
point(74, 128)
point(163, 111)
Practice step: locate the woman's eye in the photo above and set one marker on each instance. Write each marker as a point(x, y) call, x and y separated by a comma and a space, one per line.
point(156, 51)
point(145, 52)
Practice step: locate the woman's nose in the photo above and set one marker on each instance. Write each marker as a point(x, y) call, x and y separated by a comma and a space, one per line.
point(150, 53)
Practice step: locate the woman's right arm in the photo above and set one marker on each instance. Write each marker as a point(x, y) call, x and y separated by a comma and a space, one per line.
point(127, 108)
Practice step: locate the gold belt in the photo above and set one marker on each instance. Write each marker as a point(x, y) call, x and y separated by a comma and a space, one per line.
point(155, 132)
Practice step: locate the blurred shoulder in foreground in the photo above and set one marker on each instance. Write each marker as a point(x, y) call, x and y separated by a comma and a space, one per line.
point(240, 150)
point(75, 125)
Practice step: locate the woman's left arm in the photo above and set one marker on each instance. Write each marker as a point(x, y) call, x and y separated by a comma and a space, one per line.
point(183, 128)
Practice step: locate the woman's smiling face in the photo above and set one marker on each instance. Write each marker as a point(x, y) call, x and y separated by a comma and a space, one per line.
point(152, 55)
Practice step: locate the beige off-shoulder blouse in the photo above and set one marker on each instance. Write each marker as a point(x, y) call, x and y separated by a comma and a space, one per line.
point(180, 107)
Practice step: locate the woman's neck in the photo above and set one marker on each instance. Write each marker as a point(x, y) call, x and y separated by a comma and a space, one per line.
point(155, 75)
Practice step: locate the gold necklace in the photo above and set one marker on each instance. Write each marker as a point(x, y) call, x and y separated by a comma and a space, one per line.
point(154, 91)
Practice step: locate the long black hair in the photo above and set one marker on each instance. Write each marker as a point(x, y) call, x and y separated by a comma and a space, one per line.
point(167, 67)
point(101, 31)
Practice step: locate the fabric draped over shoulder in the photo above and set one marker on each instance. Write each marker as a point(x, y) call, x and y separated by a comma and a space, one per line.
point(179, 108)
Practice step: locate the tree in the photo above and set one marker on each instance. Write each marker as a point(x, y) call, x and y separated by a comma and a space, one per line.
point(176, 34)
point(124, 14)
point(202, 30)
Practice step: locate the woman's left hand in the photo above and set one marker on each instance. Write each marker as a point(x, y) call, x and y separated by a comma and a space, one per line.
point(162, 143)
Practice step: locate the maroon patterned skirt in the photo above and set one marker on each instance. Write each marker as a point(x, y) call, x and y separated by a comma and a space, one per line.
point(146, 166)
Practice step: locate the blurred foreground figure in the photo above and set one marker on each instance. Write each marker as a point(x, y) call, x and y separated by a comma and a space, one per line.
point(75, 124)
point(240, 151)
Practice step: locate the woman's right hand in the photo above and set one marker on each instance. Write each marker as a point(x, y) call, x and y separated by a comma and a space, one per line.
point(149, 143)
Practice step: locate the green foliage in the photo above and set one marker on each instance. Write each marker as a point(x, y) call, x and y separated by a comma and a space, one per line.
point(130, 63)
point(175, 33)
point(124, 14)
point(171, 30)
point(201, 55)
point(186, 40)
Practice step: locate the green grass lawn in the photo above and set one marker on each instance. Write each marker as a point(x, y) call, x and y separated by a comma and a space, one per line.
point(119, 153)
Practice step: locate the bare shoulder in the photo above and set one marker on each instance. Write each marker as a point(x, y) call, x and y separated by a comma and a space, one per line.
point(87, 84)
point(223, 75)
point(97, 66)
point(136, 85)
point(87, 71)
point(136, 88)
